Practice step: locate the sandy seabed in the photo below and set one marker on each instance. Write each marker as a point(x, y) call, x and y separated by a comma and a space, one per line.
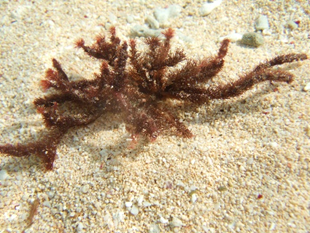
point(246, 169)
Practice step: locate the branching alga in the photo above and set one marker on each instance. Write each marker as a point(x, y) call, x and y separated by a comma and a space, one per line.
point(138, 86)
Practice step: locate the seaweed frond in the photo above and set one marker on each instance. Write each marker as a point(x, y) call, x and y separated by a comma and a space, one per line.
point(138, 86)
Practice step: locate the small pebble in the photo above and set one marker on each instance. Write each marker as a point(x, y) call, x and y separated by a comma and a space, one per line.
point(162, 15)
point(174, 10)
point(146, 204)
point(176, 222)
point(250, 161)
point(207, 7)
point(118, 217)
point(163, 220)
point(84, 189)
point(222, 188)
point(144, 31)
point(130, 19)
point(50, 194)
point(112, 18)
point(307, 87)
point(154, 228)
point(134, 210)
point(128, 204)
point(194, 198)
point(79, 227)
point(252, 39)
point(140, 200)
point(138, 30)
point(261, 23)
point(47, 204)
point(274, 145)
point(152, 22)
point(103, 152)
point(233, 37)
point(3, 175)
point(292, 25)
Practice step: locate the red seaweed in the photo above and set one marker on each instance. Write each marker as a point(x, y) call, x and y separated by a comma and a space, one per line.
point(138, 86)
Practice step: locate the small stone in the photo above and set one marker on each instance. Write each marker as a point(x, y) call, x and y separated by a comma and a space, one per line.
point(128, 204)
point(118, 217)
point(261, 23)
point(252, 39)
point(10, 218)
point(47, 204)
point(292, 25)
point(144, 31)
point(233, 37)
point(180, 184)
point(138, 30)
point(154, 228)
point(3, 175)
point(79, 227)
point(162, 15)
point(222, 188)
point(50, 194)
point(140, 200)
point(84, 189)
point(174, 10)
point(163, 220)
point(194, 198)
point(107, 218)
point(130, 19)
point(176, 222)
point(114, 162)
point(112, 18)
point(274, 145)
point(146, 204)
point(152, 22)
point(207, 7)
point(250, 161)
point(307, 87)
point(267, 32)
point(134, 210)
point(103, 152)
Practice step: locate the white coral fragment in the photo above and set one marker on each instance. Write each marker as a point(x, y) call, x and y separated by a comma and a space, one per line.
point(207, 7)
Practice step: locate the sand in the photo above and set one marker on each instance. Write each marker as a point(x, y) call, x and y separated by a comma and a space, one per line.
point(246, 169)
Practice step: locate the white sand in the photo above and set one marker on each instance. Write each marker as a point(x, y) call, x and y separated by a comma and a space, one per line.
point(256, 144)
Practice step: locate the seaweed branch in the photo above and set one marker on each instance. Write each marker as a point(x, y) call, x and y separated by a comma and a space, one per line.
point(138, 86)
